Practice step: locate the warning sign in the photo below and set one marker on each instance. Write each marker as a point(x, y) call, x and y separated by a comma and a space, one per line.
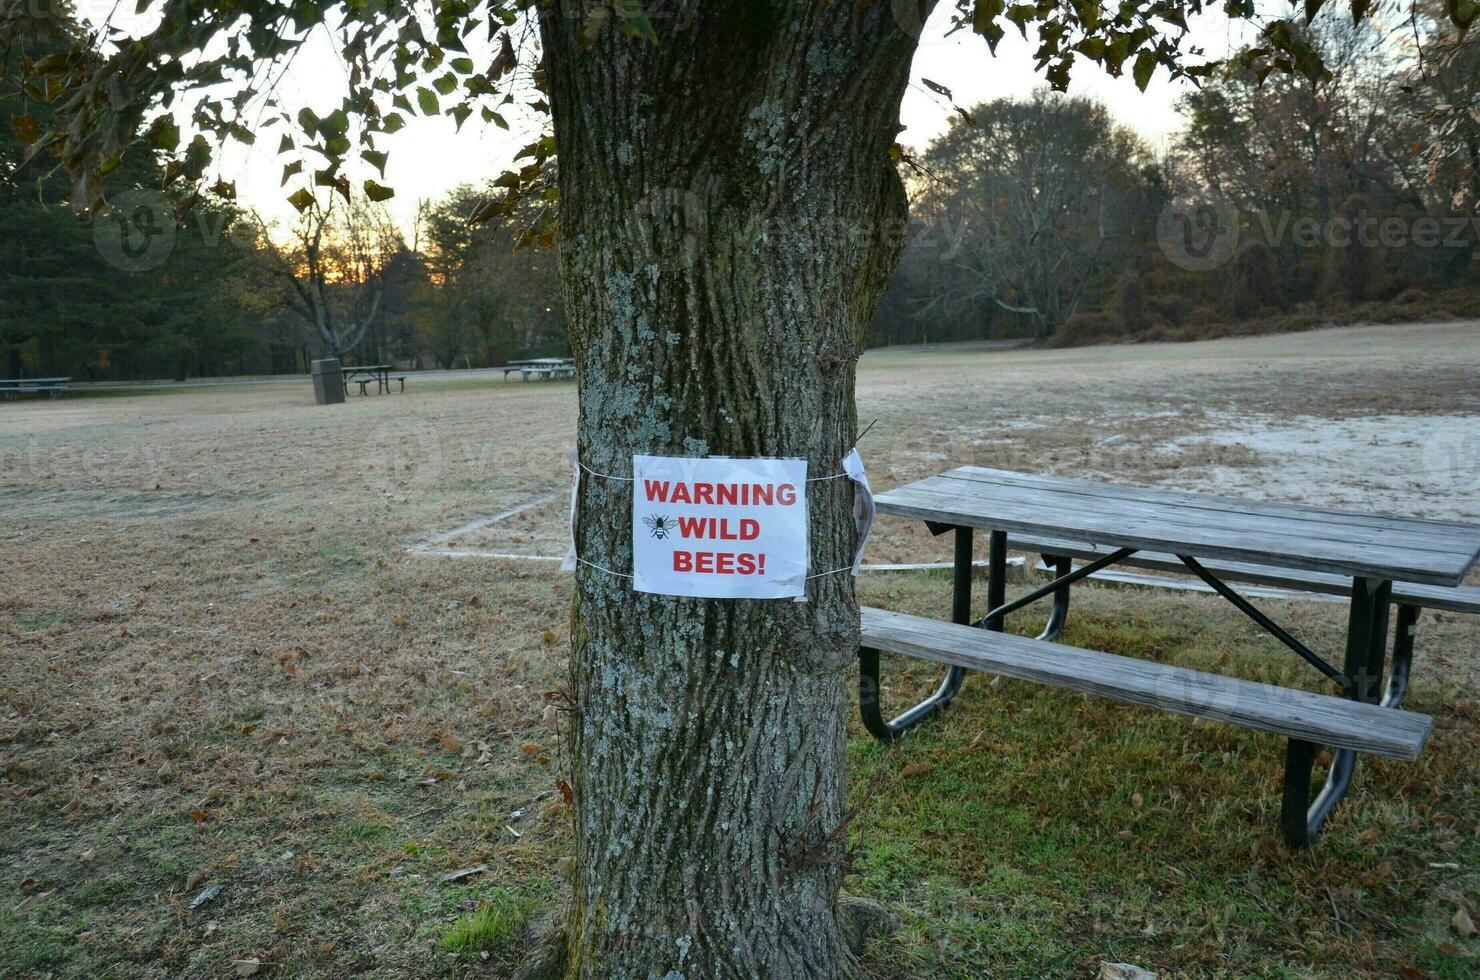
point(719, 528)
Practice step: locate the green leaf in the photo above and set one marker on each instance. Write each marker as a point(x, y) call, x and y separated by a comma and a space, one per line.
point(984, 14)
point(1144, 68)
point(426, 100)
point(595, 24)
point(393, 122)
point(224, 188)
point(286, 144)
point(377, 159)
point(302, 199)
point(445, 83)
point(1313, 7)
point(296, 167)
point(378, 192)
point(1463, 12)
point(463, 66)
point(634, 20)
point(164, 134)
point(937, 88)
point(308, 120)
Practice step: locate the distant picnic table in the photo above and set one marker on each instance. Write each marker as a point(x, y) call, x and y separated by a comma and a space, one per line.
point(51, 387)
point(1380, 562)
point(548, 368)
point(366, 375)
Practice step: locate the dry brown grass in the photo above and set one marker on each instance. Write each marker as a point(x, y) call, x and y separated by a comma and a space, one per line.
point(220, 665)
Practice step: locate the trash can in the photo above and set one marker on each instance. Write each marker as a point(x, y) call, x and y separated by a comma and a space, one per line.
point(328, 382)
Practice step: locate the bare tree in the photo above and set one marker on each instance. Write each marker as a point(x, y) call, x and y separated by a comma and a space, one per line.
point(1040, 189)
point(334, 267)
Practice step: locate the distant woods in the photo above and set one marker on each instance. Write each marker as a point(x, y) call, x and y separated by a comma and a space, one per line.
point(1281, 203)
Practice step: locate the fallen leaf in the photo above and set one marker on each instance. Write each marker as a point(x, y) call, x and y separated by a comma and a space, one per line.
point(245, 968)
point(401, 621)
point(916, 769)
point(566, 793)
point(565, 867)
point(1462, 924)
point(548, 636)
point(205, 896)
point(1124, 971)
point(462, 873)
point(450, 743)
point(1137, 800)
point(529, 748)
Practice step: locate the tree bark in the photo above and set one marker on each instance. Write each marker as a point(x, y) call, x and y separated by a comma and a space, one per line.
point(729, 217)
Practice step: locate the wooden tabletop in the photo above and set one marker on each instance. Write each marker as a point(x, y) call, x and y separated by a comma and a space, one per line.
point(1285, 535)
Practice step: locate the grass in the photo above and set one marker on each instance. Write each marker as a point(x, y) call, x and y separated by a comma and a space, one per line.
point(1052, 830)
point(495, 923)
point(264, 691)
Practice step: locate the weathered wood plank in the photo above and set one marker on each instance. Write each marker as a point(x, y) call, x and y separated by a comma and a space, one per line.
point(1319, 718)
point(1462, 599)
point(1207, 501)
point(1173, 531)
point(1417, 535)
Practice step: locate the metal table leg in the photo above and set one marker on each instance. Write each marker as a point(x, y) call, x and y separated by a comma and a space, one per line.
point(868, 660)
point(1062, 565)
point(1366, 650)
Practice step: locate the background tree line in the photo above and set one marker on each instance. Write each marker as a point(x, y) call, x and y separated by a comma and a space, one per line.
point(1355, 197)
point(159, 286)
point(1036, 217)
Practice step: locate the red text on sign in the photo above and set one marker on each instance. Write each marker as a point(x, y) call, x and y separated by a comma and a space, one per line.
point(719, 563)
point(719, 528)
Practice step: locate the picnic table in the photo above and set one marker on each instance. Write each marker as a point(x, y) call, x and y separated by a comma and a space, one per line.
point(52, 387)
point(548, 368)
point(1216, 539)
point(366, 375)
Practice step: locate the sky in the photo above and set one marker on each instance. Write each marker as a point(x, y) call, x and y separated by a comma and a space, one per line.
point(429, 156)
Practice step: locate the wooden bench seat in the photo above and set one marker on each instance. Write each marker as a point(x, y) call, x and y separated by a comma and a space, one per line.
point(1463, 599)
point(1317, 718)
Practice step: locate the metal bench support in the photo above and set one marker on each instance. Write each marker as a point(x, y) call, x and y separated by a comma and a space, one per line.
point(1301, 816)
point(869, 701)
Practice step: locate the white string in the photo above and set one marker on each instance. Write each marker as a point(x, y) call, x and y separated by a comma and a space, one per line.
point(603, 568)
point(628, 479)
point(604, 476)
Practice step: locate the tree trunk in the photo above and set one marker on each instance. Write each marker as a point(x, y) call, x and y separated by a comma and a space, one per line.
point(729, 217)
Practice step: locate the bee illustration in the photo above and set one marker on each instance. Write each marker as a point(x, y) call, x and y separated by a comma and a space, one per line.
point(659, 524)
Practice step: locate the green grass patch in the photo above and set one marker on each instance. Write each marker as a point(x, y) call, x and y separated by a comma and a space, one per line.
point(494, 924)
point(1039, 831)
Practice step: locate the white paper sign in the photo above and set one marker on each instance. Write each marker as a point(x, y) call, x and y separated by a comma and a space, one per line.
point(719, 528)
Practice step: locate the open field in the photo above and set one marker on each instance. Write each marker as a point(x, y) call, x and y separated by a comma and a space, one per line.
point(240, 720)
